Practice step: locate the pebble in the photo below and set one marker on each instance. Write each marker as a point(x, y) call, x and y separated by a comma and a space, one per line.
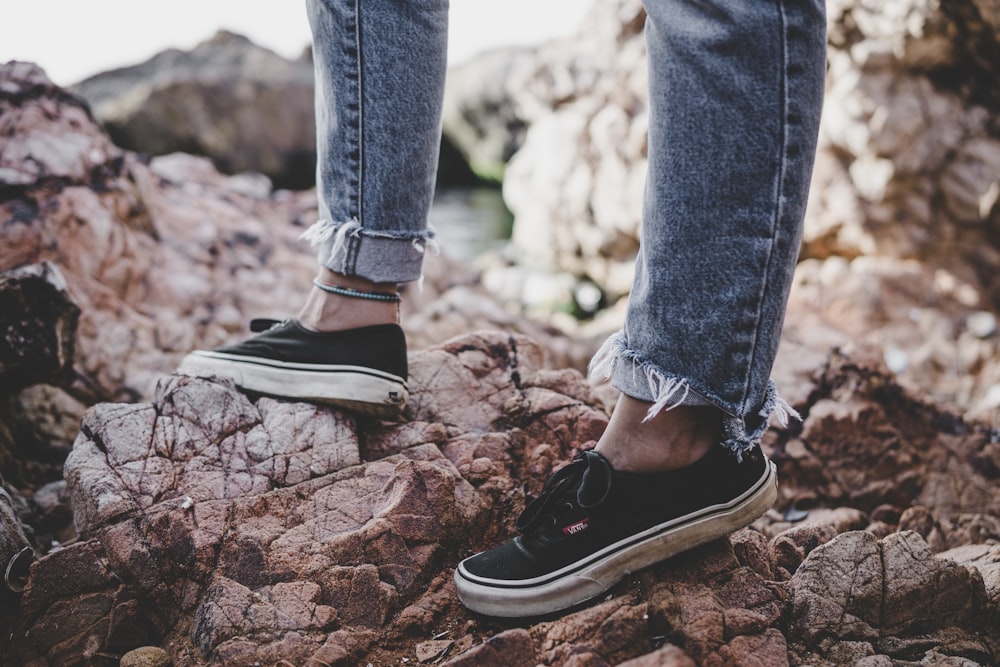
point(982, 324)
point(146, 656)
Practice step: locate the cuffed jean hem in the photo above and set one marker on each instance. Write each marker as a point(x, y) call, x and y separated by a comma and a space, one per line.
point(382, 257)
point(640, 378)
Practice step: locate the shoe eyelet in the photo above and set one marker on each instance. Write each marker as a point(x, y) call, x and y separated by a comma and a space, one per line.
point(566, 507)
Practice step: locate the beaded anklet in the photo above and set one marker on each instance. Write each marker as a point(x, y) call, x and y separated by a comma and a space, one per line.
point(356, 294)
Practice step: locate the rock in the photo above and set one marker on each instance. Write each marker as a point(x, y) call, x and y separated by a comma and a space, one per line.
point(575, 186)
point(54, 515)
point(256, 529)
point(99, 214)
point(986, 559)
point(146, 656)
point(793, 545)
point(480, 115)
point(668, 656)
point(865, 442)
point(38, 327)
point(859, 589)
point(431, 650)
point(239, 531)
point(16, 554)
point(245, 107)
point(239, 104)
point(914, 311)
point(513, 647)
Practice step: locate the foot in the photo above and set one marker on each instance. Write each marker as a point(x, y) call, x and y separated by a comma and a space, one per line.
point(363, 369)
point(592, 525)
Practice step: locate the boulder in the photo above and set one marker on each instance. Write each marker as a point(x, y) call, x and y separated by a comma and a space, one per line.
point(229, 529)
point(245, 107)
point(245, 529)
point(868, 444)
point(858, 595)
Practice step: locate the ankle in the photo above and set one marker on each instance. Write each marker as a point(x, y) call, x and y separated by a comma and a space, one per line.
point(339, 302)
point(673, 439)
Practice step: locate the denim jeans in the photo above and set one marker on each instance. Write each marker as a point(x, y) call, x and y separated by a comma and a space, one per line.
point(380, 70)
point(735, 92)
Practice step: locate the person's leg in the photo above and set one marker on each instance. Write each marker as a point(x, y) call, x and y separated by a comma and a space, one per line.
point(380, 70)
point(735, 98)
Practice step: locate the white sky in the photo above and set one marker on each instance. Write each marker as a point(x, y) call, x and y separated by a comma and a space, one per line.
point(73, 39)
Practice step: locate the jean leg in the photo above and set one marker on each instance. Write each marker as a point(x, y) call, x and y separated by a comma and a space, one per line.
point(735, 98)
point(380, 70)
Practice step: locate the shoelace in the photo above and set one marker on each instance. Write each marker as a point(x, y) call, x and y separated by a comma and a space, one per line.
point(589, 474)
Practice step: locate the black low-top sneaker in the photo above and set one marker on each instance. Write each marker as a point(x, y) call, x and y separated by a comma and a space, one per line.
point(592, 525)
point(361, 369)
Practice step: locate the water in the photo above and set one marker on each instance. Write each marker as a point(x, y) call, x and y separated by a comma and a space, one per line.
point(471, 221)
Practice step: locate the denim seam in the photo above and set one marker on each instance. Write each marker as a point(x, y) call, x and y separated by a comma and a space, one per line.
point(778, 208)
point(359, 69)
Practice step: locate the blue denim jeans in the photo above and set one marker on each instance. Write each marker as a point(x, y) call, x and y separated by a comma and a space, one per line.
point(380, 70)
point(735, 90)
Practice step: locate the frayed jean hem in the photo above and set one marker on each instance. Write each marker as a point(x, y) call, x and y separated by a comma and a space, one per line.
point(642, 379)
point(382, 257)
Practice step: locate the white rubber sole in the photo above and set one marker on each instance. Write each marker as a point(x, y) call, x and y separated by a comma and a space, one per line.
point(589, 578)
point(356, 388)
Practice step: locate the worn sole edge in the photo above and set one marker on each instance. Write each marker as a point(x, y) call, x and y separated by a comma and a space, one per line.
point(502, 599)
point(357, 388)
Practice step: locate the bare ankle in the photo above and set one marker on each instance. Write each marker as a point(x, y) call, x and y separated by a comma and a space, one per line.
point(344, 307)
point(673, 439)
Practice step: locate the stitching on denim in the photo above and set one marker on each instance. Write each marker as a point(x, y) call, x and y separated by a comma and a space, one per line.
point(361, 112)
point(779, 187)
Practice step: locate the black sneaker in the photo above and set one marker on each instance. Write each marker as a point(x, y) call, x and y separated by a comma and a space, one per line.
point(593, 525)
point(361, 369)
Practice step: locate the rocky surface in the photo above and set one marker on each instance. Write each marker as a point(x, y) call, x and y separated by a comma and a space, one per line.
point(233, 529)
point(130, 262)
point(167, 254)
